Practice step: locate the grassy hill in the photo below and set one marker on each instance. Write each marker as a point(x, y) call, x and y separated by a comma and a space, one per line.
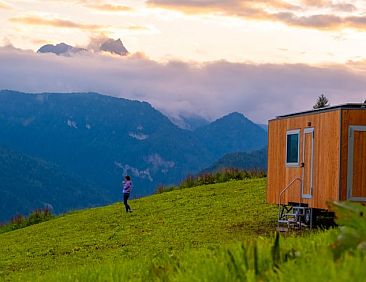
point(166, 223)
point(220, 232)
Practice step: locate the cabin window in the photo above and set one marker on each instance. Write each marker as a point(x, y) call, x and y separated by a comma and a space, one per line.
point(292, 147)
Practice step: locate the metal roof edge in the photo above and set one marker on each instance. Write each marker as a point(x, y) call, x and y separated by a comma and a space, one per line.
point(325, 109)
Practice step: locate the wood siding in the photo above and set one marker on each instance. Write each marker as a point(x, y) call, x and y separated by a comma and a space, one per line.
point(326, 161)
point(353, 117)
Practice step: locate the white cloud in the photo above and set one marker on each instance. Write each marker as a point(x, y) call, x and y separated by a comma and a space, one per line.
point(130, 170)
point(138, 136)
point(210, 90)
point(72, 124)
point(158, 162)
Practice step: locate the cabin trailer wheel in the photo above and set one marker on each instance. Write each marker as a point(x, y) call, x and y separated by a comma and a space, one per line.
point(309, 217)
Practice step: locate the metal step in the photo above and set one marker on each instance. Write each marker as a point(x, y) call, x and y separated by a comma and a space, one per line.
point(291, 217)
point(288, 221)
point(291, 220)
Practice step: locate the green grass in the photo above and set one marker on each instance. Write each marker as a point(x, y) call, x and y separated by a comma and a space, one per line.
point(220, 232)
point(160, 225)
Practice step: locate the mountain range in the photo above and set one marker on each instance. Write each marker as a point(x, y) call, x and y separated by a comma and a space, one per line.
point(231, 133)
point(256, 159)
point(28, 183)
point(60, 49)
point(109, 45)
point(84, 143)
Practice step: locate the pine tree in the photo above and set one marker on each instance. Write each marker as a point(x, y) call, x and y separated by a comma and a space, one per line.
point(321, 102)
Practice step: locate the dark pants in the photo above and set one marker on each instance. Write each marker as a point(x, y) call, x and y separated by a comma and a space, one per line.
point(125, 198)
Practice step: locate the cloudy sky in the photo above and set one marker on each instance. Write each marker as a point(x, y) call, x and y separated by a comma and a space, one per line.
point(204, 57)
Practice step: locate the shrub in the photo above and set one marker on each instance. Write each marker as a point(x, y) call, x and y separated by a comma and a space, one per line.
point(162, 189)
point(39, 215)
point(352, 220)
point(188, 182)
point(220, 176)
point(19, 221)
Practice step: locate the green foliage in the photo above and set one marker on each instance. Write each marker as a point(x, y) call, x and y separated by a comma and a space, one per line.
point(321, 102)
point(19, 221)
point(352, 220)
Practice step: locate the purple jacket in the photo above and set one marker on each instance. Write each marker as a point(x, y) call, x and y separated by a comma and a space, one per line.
point(127, 186)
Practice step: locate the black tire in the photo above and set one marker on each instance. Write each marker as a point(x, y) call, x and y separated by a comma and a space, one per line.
point(309, 217)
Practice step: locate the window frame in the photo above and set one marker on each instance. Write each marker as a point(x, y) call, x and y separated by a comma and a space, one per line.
point(293, 132)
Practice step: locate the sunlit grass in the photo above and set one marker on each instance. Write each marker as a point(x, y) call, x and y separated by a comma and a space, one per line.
point(220, 232)
point(164, 224)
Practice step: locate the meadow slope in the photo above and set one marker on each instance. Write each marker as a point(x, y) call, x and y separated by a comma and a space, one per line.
point(220, 232)
point(164, 224)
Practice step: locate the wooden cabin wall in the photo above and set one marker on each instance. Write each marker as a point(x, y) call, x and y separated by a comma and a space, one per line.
point(326, 158)
point(349, 117)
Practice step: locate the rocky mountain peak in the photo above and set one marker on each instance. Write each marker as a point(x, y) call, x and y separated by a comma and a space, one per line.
point(60, 49)
point(109, 45)
point(114, 47)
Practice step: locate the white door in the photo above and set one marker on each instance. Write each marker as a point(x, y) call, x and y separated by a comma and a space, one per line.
point(308, 163)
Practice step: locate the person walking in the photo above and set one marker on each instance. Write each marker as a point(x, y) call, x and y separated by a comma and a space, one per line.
point(127, 187)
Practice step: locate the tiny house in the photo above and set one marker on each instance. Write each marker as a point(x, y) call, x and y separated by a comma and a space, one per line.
point(315, 157)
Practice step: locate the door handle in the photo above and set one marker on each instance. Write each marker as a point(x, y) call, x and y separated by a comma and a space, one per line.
point(302, 164)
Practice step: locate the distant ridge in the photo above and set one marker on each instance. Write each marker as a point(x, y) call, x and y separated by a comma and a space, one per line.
point(28, 183)
point(263, 126)
point(255, 160)
point(114, 47)
point(60, 49)
point(232, 133)
point(109, 45)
